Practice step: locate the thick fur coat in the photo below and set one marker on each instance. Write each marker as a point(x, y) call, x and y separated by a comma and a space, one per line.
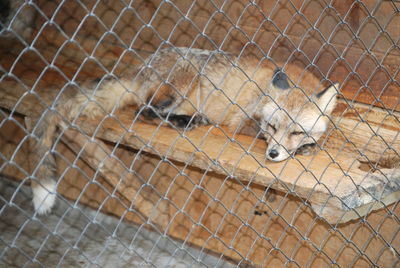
point(191, 87)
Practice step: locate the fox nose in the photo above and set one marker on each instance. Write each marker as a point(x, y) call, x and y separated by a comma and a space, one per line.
point(273, 153)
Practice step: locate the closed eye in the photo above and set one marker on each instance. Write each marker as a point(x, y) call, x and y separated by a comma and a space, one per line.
point(272, 126)
point(297, 133)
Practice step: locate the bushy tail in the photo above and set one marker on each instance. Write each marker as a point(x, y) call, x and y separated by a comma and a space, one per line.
point(44, 185)
point(113, 94)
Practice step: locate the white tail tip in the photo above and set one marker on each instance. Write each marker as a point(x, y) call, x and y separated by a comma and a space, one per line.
point(44, 196)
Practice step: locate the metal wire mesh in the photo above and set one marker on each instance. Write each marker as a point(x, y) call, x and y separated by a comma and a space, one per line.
point(134, 193)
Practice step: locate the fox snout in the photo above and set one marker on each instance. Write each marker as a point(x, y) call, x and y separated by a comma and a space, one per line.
point(277, 153)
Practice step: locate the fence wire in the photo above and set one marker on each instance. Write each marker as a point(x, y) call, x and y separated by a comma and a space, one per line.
point(225, 133)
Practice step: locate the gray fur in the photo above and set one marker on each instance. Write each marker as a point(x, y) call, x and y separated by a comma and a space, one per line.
point(280, 79)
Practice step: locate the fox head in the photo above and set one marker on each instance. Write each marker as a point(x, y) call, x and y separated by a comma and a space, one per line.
point(294, 119)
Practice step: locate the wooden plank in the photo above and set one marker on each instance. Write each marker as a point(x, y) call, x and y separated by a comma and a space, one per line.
point(241, 221)
point(224, 216)
point(329, 180)
point(221, 214)
point(329, 184)
point(367, 66)
point(304, 32)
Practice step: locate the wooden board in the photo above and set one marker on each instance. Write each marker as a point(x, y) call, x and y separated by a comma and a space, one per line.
point(221, 204)
point(334, 181)
point(351, 42)
point(244, 222)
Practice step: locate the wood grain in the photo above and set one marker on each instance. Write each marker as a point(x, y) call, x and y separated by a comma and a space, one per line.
point(329, 180)
point(218, 213)
point(351, 42)
point(212, 182)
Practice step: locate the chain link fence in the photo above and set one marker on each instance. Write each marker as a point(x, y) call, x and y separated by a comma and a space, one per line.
point(199, 133)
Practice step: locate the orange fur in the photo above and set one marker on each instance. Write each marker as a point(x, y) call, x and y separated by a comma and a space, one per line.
point(178, 83)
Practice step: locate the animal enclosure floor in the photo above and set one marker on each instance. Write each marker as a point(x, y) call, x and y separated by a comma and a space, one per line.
point(81, 237)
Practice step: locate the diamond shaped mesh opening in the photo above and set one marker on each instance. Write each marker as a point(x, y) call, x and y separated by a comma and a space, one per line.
point(199, 133)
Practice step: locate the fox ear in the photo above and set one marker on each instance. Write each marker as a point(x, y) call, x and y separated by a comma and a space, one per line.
point(280, 79)
point(326, 99)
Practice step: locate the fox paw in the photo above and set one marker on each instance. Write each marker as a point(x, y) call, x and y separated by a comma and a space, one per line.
point(180, 121)
point(308, 149)
point(200, 120)
point(187, 121)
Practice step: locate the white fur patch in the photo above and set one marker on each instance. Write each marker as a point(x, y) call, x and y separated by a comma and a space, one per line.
point(44, 197)
point(312, 123)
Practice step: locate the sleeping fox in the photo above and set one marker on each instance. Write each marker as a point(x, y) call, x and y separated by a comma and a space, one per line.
point(189, 87)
